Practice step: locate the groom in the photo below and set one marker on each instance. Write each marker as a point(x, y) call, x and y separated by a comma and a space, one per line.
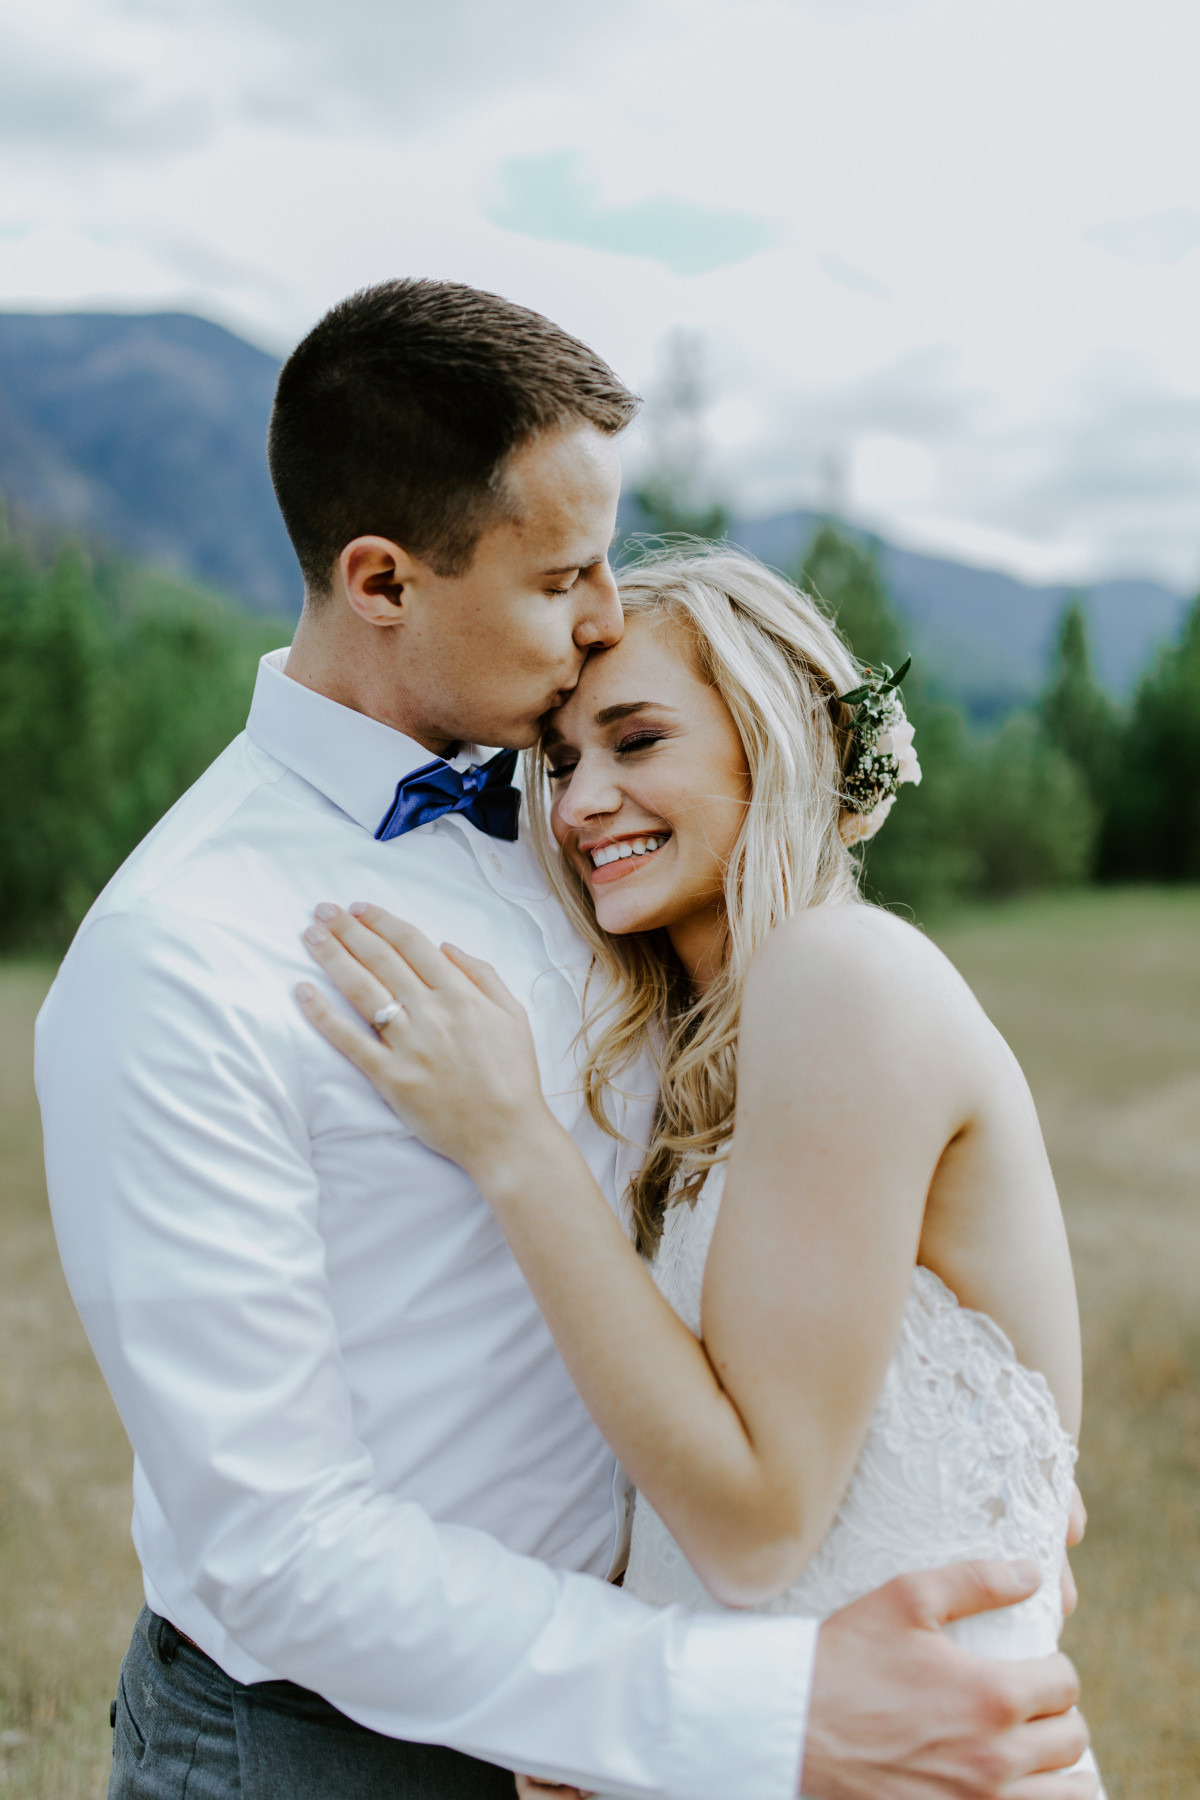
point(373, 1517)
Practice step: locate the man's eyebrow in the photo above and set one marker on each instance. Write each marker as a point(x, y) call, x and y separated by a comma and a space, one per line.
point(568, 568)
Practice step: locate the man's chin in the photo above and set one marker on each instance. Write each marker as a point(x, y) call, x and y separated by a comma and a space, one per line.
point(519, 734)
point(522, 734)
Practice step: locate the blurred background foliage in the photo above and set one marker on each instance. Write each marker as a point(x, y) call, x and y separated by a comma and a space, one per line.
point(118, 685)
point(999, 812)
point(1071, 790)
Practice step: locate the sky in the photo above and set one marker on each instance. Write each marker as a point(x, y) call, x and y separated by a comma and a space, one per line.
point(942, 257)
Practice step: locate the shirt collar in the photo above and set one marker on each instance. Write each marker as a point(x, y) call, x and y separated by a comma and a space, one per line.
point(353, 760)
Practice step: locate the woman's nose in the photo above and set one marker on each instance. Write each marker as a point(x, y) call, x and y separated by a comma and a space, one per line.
point(589, 795)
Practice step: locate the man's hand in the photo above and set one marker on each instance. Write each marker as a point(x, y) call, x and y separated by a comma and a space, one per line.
point(900, 1712)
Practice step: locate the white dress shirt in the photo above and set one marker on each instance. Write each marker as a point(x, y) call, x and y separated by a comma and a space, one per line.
point(360, 1464)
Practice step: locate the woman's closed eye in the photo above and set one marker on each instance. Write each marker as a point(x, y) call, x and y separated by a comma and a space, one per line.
point(640, 740)
point(628, 746)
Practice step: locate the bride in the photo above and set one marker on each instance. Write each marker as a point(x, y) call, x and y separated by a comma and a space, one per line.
point(846, 1344)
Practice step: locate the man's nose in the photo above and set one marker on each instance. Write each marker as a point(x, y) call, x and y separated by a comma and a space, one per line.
point(601, 621)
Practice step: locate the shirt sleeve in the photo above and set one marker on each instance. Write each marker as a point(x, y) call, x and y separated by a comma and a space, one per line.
point(188, 1218)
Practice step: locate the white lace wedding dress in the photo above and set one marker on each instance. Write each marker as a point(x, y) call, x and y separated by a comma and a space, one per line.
point(964, 1457)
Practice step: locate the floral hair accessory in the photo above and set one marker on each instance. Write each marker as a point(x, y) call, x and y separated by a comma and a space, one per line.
point(882, 757)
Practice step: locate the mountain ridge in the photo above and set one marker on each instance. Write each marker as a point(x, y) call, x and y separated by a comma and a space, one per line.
point(146, 432)
point(988, 635)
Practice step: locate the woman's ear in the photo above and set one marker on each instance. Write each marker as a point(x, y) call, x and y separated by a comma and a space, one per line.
point(374, 572)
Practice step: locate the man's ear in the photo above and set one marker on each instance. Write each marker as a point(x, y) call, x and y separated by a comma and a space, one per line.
point(374, 573)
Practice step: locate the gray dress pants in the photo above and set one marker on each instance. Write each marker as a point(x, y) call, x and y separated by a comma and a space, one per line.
point(184, 1731)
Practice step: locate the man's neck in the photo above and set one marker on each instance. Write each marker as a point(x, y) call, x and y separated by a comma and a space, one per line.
point(346, 662)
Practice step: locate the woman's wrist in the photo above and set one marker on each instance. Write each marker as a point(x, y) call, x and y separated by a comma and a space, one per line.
point(520, 1158)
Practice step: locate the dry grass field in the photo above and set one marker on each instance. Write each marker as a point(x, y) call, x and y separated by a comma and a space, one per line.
point(1100, 996)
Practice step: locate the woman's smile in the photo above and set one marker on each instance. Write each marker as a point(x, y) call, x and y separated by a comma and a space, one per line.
point(615, 857)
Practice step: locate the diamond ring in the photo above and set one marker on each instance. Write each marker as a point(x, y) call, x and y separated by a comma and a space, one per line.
point(386, 1014)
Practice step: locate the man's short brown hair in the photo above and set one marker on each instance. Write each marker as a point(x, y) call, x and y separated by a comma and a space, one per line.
point(397, 413)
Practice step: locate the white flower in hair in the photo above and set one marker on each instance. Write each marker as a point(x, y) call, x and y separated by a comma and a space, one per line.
point(898, 742)
point(882, 758)
point(856, 827)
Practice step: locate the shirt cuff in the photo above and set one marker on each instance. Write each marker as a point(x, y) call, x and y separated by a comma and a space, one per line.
point(741, 1693)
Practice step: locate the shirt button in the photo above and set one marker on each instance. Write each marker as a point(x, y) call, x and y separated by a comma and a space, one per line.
point(495, 862)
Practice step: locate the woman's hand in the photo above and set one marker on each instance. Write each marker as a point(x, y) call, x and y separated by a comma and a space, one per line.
point(456, 1060)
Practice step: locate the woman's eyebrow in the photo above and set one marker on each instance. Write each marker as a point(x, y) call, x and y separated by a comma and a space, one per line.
point(608, 715)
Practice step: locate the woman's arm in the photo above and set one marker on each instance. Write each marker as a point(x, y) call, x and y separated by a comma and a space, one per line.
point(743, 1443)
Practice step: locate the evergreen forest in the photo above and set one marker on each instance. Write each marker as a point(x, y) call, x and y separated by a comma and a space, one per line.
point(118, 685)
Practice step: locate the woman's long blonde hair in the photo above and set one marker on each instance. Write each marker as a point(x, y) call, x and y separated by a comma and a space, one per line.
point(779, 665)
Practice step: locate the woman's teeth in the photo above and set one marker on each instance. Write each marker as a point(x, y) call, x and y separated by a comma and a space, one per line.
point(609, 853)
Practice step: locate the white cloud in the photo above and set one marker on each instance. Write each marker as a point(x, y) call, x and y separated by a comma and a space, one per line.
point(399, 65)
point(57, 99)
point(888, 472)
point(1165, 237)
point(839, 270)
point(987, 217)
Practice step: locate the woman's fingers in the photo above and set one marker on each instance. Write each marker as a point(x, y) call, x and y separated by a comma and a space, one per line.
point(364, 1051)
point(365, 992)
point(391, 971)
point(457, 1064)
point(403, 959)
point(434, 969)
point(485, 979)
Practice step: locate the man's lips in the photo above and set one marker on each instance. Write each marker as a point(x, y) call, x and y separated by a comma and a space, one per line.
point(562, 694)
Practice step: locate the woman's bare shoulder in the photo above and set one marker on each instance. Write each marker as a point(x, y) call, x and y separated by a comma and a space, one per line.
point(838, 941)
point(863, 966)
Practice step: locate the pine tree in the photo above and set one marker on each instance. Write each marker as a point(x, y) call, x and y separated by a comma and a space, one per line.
point(844, 574)
point(52, 749)
point(993, 815)
point(1028, 818)
point(1152, 828)
point(117, 688)
point(675, 496)
point(1076, 714)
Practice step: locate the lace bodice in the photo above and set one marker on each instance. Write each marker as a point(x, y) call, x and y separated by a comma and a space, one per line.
point(964, 1457)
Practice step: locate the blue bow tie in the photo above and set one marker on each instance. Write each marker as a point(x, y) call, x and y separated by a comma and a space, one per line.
point(484, 794)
